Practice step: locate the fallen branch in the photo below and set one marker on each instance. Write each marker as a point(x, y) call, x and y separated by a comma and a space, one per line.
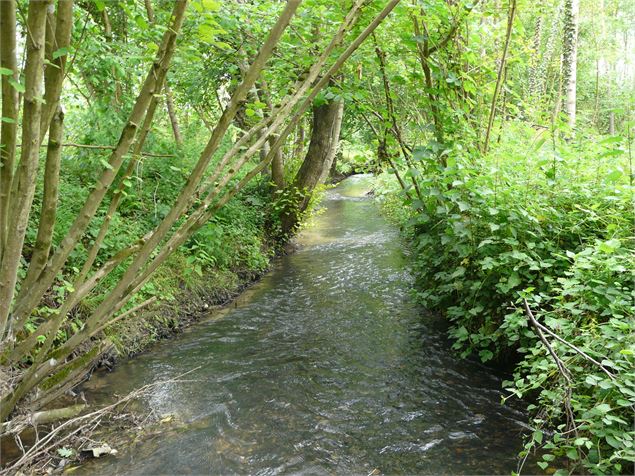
point(103, 147)
point(50, 416)
point(582, 353)
point(561, 367)
point(569, 344)
point(54, 438)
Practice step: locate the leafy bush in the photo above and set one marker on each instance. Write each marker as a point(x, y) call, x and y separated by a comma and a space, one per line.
point(525, 226)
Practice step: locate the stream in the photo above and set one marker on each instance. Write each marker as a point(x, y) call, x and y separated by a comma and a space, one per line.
point(325, 366)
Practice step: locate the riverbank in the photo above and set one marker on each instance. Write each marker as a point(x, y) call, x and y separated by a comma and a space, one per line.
point(211, 292)
point(539, 279)
point(327, 365)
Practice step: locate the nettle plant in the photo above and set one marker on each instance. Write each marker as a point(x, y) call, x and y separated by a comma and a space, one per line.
point(487, 238)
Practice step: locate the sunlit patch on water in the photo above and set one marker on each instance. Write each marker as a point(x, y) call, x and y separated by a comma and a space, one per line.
point(326, 367)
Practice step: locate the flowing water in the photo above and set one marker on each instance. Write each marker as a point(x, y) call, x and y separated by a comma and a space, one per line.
point(327, 366)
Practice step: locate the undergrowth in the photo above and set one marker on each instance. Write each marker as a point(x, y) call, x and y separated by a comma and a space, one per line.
point(550, 223)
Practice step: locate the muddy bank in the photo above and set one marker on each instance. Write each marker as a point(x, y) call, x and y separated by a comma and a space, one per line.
point(169, 318)
point(136, 335)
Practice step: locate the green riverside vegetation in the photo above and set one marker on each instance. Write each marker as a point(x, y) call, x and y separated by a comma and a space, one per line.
point(155, 155)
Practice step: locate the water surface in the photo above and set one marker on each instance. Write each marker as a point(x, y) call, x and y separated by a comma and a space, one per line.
point(327, 366)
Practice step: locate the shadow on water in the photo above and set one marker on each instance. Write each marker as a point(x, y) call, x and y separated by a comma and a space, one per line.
point(328, 367)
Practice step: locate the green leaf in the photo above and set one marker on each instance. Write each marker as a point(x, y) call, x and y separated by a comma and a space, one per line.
point(211, 5)
point(6, 72)
point(513, 280)
point(613, 442)
point(603, 408)
point(100, 4)
point(61, 52)
point(537, 436)
point(19, 87)
point(141, 22)
point(65, 452)
point(609, 246)
point(105, 163)
point(614, 176)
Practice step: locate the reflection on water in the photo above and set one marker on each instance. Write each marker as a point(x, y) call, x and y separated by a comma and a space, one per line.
point(328, 368)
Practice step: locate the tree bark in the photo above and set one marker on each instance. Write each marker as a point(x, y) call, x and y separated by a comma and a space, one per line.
point(23, 187)
point(8, 127)
point(499, 78)
point(570, 47)
point(277, 167)
point(325, 134)
point(54, 74)
point(49, 202)
point(298, 146)
point(174, 122)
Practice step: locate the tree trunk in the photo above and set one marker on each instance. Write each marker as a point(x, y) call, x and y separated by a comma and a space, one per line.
point(333, 170)
point(55, 72)
point(173, 119)
point(23, 187)
point(572, 8)
point(8, 126)
point(277, 167)
point(325, 134)
point(298, 146)
point(500, 77)
point(534, 78)
point(49, 202)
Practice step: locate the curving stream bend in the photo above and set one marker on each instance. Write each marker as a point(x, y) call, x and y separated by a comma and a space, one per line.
point(326, 367)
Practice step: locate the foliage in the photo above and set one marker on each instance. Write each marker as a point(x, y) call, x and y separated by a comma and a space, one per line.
point(522, 225)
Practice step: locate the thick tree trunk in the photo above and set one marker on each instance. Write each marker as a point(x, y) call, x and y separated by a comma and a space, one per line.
point(23, 187)
point(8, 126)
point(325, 134)
point(571, 21)
point(54, 73)
point(49, 202)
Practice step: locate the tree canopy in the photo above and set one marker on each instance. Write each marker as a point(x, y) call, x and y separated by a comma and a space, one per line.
point(142, 135)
